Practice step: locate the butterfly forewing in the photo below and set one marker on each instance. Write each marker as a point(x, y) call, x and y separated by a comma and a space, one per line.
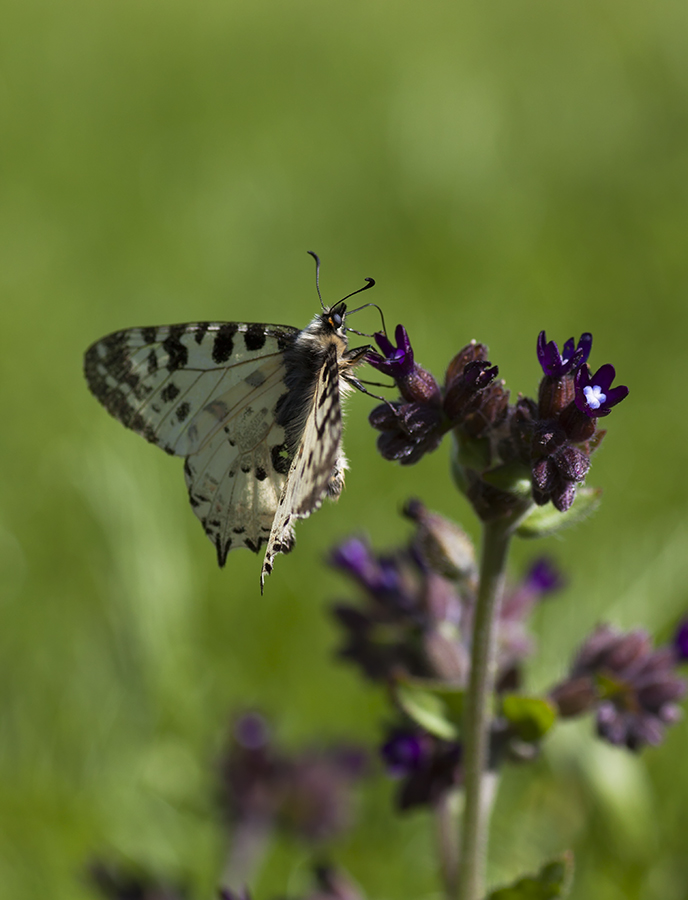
point(155, 380)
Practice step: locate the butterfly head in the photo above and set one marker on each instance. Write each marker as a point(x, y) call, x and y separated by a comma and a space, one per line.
point(335, 316)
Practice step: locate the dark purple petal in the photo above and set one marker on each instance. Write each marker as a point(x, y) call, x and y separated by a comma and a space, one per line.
point(404, 752)
point(555, 364)
point(604, 376)
point(396, 361)
point(681, 641)
point(616, 395)
point(594, 395)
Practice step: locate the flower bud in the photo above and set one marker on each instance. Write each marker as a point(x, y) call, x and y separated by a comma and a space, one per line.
point(443, 545)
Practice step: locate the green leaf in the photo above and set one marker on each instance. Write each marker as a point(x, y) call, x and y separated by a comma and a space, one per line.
point(438, 708)
point(511, 477)
point(552, 881)
point(546, 520)
point(532, 717)
point(470, 452)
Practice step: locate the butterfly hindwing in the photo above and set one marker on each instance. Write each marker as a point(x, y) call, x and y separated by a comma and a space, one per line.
point(235, 477)
point(207, 391)
point(317, 468)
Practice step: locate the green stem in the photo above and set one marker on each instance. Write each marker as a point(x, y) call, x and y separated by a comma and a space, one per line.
point(446, 823)
point(478, 799)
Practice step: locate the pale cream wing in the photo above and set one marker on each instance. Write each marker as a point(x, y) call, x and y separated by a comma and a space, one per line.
point(236, 476)
point(316, 462)
point(158, 381)
point(207, 391)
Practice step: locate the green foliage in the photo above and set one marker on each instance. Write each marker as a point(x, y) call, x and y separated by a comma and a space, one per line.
point(532, 717)
point(544, 521)
point(437, 708)
point(498, 168)
point(552, 881)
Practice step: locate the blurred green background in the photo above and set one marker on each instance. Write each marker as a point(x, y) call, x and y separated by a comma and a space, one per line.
point(499, 168)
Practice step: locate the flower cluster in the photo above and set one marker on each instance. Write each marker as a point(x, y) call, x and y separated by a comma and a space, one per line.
point(556, 436)
point(551, 439)
point(416, 424)
point(632, 688)
point(307, 794)
point(419, 602)
point(414, 626)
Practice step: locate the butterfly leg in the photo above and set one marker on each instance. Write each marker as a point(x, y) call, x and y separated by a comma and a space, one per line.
point(335, 485)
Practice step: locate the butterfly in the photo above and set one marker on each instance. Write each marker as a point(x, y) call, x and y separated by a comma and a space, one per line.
point(254, 409)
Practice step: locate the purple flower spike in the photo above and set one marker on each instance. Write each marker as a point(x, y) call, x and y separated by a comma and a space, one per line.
point(595, 395)
point(397, 362)
point(556, 364)
point(681, 641)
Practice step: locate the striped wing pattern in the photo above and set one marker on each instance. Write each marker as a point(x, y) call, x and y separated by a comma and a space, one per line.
point(317, 468)
point(208, 392)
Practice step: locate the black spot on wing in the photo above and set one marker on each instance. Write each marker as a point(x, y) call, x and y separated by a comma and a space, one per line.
point(279, 406)
point(281, 459)
point(149, 335)
point(223, 346)
point(178, 355)
point(169, 392)
point(284, 341)
point(254, 337)
point(183, 411)
point(200, 331)
point(253, 545)
point(261, 474)
point(222, 550)
point(152, 362)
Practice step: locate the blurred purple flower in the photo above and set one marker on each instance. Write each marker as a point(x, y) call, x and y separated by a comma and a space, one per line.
point(426, 766)
point(307, 794)
point(633, 688)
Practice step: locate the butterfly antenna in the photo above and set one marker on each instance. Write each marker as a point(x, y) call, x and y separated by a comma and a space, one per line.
point(370, 282)
point(317, 276)
point(365, 305)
